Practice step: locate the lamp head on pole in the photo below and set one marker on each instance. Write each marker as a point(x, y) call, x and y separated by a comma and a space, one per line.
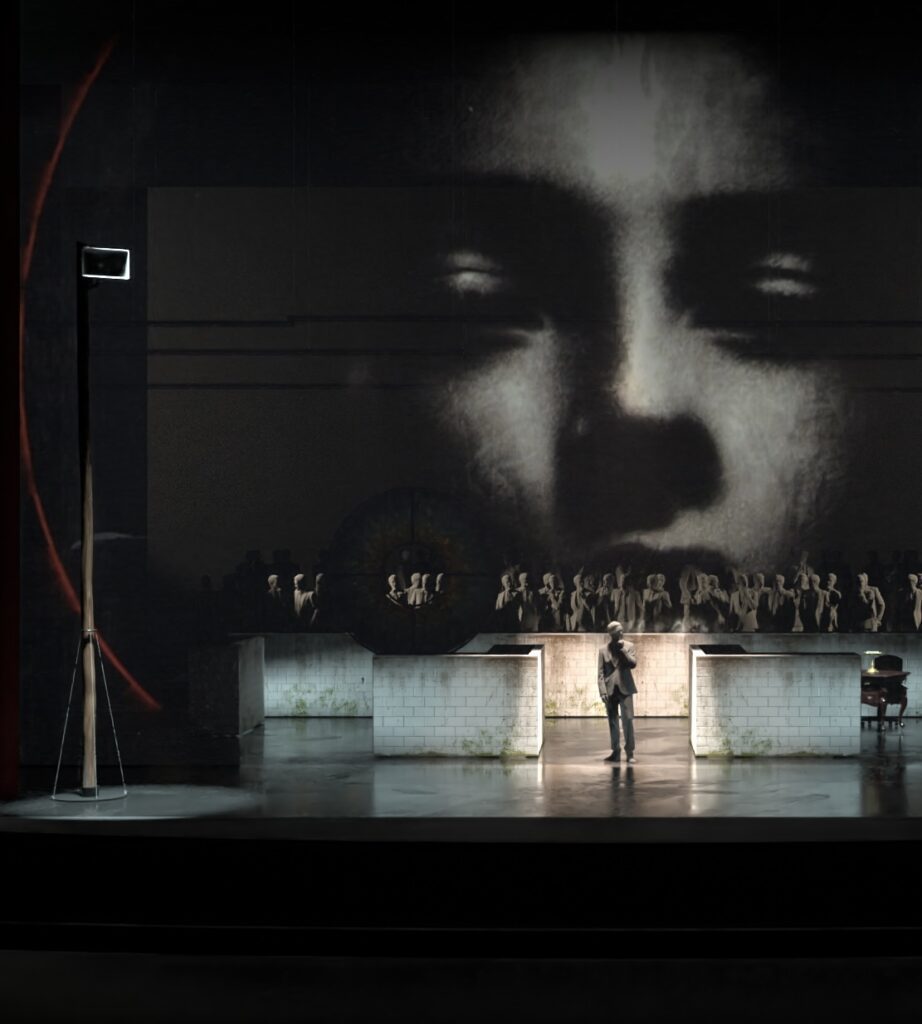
point(107, 264)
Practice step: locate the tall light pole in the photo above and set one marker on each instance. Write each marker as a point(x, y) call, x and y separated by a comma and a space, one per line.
point(94, 264)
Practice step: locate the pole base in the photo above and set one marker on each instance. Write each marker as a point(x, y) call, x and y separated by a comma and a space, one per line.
point(88, 792)
point(81, 796)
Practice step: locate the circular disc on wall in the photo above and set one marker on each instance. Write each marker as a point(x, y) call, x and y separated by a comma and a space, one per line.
point(411, 568)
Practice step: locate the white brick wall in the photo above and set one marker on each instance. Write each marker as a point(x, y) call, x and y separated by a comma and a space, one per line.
point(463, 705)
point(571, 668)
point(331, 675)
point(775, 705)
point(662, 664)
point(904, 645)
point(317, 675)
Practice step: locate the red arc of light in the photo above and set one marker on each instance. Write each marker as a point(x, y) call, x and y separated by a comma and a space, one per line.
point(25, 447)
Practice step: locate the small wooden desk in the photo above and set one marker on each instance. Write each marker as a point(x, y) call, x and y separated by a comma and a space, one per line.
point(882, 687)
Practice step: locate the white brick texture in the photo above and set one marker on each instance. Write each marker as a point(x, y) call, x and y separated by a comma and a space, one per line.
point(458, 705)
point(662, 664)
point(317, 675)
point(815, 708)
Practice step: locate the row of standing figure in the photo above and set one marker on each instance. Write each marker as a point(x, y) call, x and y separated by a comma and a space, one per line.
point(809, 605)
point(589, 607)
point(420, 592)
point(301, 609)
point(748, 604)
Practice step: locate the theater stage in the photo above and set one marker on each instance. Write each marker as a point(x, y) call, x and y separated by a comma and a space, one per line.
point(318, 778)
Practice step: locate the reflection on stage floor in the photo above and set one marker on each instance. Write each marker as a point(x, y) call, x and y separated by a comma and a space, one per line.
point(314, 769)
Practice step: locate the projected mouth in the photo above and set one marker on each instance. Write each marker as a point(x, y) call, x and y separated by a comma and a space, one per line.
point(641, 558)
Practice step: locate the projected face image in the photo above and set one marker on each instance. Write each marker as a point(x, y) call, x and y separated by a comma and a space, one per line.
point(647, 301)
point(618, 267)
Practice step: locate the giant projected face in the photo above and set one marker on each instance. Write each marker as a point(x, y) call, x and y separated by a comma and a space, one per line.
point(598, 297)
point(627, 392)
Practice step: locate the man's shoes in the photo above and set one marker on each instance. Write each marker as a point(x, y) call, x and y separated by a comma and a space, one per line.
point(631, 759)
point(613, 757)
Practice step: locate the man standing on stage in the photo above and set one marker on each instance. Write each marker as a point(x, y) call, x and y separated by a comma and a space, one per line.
point(617, 689)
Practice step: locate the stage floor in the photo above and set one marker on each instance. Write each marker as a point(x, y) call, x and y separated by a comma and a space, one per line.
point(319, 777)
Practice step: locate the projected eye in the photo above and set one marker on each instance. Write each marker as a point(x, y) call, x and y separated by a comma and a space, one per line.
point(500, 309)
point(786, 274)
point(471, 273)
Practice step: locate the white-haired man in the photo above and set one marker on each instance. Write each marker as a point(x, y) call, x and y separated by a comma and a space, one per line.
point(617, 689)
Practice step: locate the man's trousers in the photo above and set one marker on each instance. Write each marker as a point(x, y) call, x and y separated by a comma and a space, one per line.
point(621, 706)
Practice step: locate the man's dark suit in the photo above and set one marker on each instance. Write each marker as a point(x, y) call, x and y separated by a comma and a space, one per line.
point(617, 689)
